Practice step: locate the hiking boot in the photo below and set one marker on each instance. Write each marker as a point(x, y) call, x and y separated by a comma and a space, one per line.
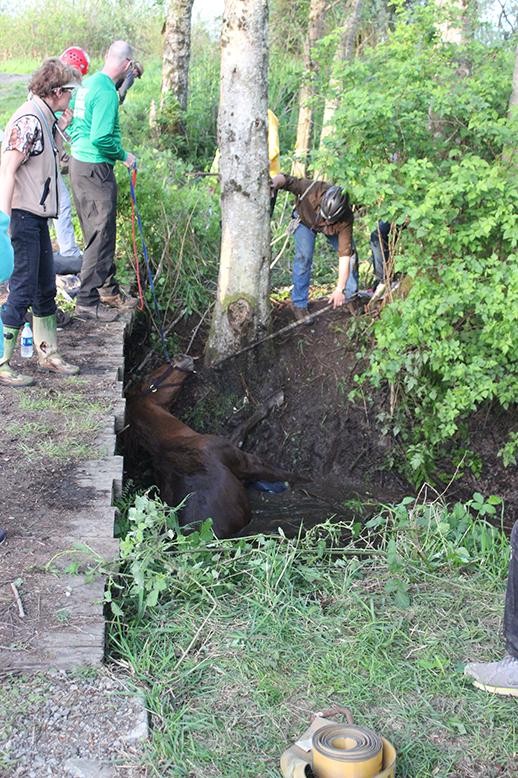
point(121, 301)
point(99, 312)
point(301, 314)
point(495, 677)
point(8, 376)
point(46, 345)
point(62, 318)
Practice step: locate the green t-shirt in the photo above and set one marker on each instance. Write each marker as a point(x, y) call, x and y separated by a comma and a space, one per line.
point(95, 130)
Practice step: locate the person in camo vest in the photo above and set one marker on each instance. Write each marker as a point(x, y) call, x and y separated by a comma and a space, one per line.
point(29, 195)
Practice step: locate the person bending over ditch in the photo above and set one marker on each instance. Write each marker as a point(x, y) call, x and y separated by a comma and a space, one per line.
point(325, 208)
point(29, 194)
point(502, 677)
point(96, 147)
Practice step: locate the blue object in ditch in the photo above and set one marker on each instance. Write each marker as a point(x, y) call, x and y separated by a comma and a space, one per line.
point(276, 487)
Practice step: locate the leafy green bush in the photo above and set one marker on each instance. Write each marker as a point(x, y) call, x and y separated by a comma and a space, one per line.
point(416, 140)
point(158, 558)
point(180, 219)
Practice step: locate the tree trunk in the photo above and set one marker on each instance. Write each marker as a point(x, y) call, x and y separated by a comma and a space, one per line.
point(175, 63)
point(344, 52)
point(317, 13)
point(509, 153)
point(454, 28)
point(513, 100)
point(242, 304)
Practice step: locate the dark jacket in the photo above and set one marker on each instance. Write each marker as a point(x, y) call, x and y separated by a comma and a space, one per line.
point(309, 195)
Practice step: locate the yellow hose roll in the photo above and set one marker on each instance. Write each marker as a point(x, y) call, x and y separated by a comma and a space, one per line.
point(346, 751)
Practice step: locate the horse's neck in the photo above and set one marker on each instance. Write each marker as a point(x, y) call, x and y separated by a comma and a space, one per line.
point(154, 424)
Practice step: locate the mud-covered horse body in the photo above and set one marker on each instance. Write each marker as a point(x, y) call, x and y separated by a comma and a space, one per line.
point(207, 469)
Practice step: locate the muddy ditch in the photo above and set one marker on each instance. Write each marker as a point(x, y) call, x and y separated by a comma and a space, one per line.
point(313, 429)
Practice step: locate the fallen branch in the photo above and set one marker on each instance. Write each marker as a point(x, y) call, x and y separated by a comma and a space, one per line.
point(282, 331)
point(18, 599)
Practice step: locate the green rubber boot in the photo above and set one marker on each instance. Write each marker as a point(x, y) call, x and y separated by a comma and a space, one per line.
point(46, 345)
point(8, 376)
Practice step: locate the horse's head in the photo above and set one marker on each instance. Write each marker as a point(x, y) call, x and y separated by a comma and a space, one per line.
point(164, 383)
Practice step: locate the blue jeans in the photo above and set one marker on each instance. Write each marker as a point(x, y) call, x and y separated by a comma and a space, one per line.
point(511, 598)
point(380, 249)
point(33, 282)
point(303, 261)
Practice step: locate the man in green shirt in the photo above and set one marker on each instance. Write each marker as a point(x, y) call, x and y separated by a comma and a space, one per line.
point(96, 147)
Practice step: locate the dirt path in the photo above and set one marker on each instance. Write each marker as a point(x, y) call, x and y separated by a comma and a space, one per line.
point(58, 470)
point(57, 478)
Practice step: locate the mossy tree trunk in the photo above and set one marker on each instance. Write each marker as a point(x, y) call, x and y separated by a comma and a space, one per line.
point(242, 304)
point(175, 64)
point(317, 12)
point(509, 153)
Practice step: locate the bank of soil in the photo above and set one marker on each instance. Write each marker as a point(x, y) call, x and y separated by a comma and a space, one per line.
point(317, 430)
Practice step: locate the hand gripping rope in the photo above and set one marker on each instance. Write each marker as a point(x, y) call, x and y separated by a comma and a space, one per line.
point(135, 216)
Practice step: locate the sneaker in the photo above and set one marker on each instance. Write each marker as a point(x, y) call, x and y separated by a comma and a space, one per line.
point(301, 314)
point(495, 677)
point(121, 301)
point(99, 312)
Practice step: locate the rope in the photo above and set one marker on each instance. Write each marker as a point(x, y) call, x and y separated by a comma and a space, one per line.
point(135, 212)
point(133, 180)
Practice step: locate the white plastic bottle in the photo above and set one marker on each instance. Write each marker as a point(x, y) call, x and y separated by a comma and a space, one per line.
point(27, 348)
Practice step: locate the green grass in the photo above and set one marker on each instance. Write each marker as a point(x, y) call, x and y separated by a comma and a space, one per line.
point(248, 638)
point(62, 450)
point(25, 65)
point(73, 440)
point(45, 400)
point(12, 95)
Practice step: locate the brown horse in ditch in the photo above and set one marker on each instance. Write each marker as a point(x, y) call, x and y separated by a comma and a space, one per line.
point(208, 471)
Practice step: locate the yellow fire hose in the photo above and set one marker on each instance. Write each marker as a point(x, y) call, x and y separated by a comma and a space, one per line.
point(334, 750)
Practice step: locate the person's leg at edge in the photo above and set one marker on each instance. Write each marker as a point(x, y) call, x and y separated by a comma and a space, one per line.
point(95, 196)
point(25, 237)
point(63, 224)
point(511, 598)
point(502, 677)
point(379, 249)
point(94, 190)
point(301, 275)
point(44, 312)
